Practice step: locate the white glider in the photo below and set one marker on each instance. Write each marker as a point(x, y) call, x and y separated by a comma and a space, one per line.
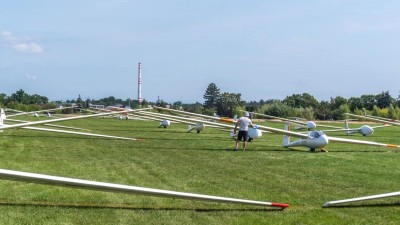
point(310, 125)
point(110, 187)
point(364, 130)
point(312, 140)
point(28, 125)
point(228, 120)
point(200, 124)
point(39, 111)
point(379, 120)
point(50, 125)
point(318, 140)
point(371, 197)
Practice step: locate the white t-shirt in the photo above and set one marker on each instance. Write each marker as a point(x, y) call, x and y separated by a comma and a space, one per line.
point(244, 123)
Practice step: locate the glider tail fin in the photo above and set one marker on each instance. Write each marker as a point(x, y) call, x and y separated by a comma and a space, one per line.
point(297, 127)
point(2, 117)
point(2, 114)
point(346, 126)
point(286, 138)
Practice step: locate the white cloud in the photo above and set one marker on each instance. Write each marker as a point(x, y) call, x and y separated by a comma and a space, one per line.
point(21, 44)
point(31, 77)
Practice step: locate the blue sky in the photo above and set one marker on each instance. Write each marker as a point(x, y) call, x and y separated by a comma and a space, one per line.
point(261, 49)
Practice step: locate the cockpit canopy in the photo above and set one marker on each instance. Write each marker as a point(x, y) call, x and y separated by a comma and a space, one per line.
point(315, 134)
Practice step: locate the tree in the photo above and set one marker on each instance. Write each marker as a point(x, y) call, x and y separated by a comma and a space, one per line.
point(144, 103)
point(88, 103)
point(161, 103)
point(394, 112)
point(368, 101)
point(194, 108)
point(3, 99)
point(20, 96)
point(384, 100)
point(337, 102)
point(37, 99)
point(307, 113)
point(338, 113)
point(276, 108)
point(354, 102)
point(304, 100)
point(323, 112)
point(228, 103)
point(177, 105)
point(79, 101)
point(211, 96)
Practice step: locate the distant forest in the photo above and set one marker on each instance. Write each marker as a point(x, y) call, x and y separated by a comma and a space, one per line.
point(229, 104)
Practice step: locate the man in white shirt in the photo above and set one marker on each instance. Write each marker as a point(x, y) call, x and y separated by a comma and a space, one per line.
point(244, 123)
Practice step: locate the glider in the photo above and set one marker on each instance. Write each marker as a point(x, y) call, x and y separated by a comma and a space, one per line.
point(318, 140)
point(379, 120)
point(35, 113)
point(200, 124)
point(312, 140)
point(110, 187)
point(371, 197)
point(364, 130)
point(309, 125)
point(29, 125)
point(214, 118)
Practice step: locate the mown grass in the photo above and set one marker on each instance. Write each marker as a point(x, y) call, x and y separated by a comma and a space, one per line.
point(203, 163)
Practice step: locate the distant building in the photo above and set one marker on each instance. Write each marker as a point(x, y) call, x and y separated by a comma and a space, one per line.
point(97, 106)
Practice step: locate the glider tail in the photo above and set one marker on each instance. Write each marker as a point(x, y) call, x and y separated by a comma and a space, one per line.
point(297, 127)
point(346, 126)
point(2, 114)
point(2, 117)
point(286, 138)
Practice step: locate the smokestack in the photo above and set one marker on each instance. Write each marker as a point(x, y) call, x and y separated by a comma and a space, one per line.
point(140, 84)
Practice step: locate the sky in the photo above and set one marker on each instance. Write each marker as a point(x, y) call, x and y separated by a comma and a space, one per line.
point(261, 49)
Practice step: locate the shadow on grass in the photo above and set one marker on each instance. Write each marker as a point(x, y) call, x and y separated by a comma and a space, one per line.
point(84, 206)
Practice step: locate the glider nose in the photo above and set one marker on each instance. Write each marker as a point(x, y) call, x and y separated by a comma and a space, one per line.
point(311, 125)
point(366, 130)
point(324, 140)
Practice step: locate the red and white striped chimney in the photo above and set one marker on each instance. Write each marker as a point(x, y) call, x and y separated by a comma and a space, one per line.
point(140, 84)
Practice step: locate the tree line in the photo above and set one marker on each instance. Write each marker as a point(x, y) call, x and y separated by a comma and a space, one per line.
point(20, 100)
point(302, 105)
point(229, 104)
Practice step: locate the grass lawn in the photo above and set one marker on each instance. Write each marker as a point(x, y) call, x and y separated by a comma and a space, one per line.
point(204, 163)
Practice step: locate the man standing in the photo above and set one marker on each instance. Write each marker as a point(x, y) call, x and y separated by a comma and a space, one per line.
point(244, 123)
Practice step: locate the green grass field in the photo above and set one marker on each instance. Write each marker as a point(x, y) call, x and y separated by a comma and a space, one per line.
point(203, 163)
